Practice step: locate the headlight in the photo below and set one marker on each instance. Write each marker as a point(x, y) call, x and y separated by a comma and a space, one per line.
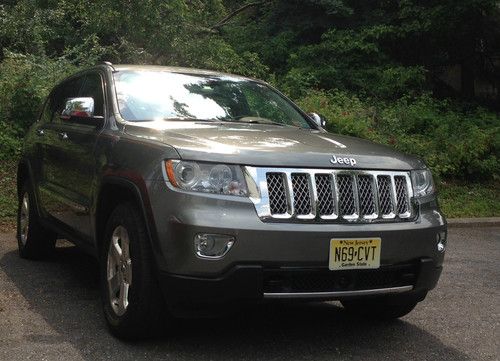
point(423, 184)
point(207, 177)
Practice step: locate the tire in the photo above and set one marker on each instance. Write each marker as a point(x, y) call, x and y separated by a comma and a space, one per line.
point(33, 240)
point(131, 298)
point(381, 308)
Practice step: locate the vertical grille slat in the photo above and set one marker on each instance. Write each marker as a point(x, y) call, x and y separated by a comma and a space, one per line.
point(345, 187)
point(326, 199)
point(366, 195)
point(401, 195)
point(336, 195)
point(301, 194)
point(384, 195)
point(278, 200)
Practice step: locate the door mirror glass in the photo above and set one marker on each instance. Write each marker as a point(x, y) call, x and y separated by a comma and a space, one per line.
point(318, 119)
point(78, 107)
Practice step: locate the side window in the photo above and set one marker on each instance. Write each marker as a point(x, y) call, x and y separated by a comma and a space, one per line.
point(69, 89)
point(46, 115)
point(270, 105)
point(93, 88)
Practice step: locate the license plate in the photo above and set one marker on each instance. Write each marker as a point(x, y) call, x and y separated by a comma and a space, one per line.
point(359, 253)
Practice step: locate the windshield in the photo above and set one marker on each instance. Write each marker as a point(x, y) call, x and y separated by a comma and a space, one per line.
point(153, 95)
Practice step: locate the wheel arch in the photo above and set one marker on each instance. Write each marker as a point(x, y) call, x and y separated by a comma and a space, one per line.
point(114, 191)
point(25, 174)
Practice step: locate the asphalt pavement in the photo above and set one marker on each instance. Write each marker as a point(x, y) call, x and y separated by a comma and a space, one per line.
point(51, 311)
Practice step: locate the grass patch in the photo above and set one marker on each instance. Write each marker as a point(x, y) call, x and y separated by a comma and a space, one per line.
point(470, 199)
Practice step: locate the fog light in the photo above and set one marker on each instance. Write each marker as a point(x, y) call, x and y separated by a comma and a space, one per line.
point(212, 245)
point(441, 241)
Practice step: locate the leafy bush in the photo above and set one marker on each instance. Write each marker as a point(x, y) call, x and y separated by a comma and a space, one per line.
point(354, 62)
point(455, 143)
point(10, 141)
point(24, 83)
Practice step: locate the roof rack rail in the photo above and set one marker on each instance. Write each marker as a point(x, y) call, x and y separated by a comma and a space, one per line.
point(109, 64)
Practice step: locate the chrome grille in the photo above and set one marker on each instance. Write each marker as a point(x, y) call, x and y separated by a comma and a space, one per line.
point(301, 194)
point(324, 190)
point(401, 195)
point(366, 195)
point(345, 188)
point(277, 193)
point(332, 195)
point(384, 195)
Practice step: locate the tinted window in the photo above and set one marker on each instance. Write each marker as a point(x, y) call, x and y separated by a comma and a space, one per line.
point(48, 110)
point(68, 89)
point(93, 88)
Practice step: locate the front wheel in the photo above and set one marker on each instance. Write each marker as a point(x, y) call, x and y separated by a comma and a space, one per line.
point(131, 298)
point(381, 308)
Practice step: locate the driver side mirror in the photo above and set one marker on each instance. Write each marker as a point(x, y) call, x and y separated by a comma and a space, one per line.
point(319, 120)
point(81, 110)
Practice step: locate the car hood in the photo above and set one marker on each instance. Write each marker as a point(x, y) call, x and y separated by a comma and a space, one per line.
point(269, 145)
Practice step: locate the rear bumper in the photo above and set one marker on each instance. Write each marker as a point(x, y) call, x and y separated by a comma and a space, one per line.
point(252, 283)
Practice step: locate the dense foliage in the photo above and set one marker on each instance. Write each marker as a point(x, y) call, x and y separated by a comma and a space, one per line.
point(455, 143)
point(371, 67)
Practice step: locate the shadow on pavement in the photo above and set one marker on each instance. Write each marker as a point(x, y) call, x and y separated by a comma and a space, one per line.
point(64, 291)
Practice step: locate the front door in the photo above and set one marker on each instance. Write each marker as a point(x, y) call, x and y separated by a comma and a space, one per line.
point(73, 162)
point(53, 177)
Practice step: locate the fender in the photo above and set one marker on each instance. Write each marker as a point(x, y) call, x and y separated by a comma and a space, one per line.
point(24, 162)
point(134, 183)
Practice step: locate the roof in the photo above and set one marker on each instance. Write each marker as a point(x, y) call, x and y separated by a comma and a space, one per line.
point(172, 69)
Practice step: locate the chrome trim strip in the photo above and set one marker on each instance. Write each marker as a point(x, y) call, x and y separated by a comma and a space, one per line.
point(313, 195)
point(374, 187)
point(289, 193)
point(408, 199)
point(339, 294)
point(355, 193)
point(394, 195)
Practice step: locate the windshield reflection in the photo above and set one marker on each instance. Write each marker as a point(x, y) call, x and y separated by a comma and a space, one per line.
point(161, 95)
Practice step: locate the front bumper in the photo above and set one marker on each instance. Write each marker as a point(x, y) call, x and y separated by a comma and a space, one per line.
point(255, 283)
point(264, 249)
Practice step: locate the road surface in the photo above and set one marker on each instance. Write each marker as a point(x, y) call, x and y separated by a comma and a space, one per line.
point(51, 311)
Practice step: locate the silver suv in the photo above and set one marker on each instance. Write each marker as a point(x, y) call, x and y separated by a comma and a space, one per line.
point(198, 189)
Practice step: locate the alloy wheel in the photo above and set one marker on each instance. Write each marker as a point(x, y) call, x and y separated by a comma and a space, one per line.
point(24, 219)
point(119, 270)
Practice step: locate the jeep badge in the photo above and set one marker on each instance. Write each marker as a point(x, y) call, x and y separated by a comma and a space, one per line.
point(346, 161)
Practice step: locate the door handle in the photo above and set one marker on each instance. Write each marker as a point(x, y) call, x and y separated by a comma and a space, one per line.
point(40, 132)
point(63, 135)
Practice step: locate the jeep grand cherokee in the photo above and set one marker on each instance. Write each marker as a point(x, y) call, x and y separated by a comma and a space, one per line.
point(196, 189)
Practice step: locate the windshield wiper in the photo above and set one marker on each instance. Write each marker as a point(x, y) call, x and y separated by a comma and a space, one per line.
point(253, 120)
point(197, 120)
point(242, 120)
point(181, 119)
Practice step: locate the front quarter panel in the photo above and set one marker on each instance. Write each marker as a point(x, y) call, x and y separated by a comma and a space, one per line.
point(124, 160)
